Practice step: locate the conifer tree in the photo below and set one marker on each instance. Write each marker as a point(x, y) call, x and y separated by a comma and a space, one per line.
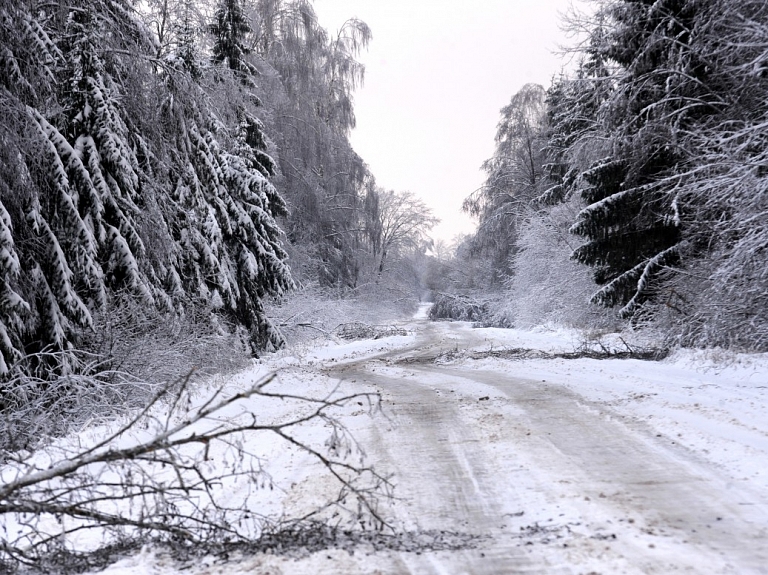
point(132, 182)
point(633, 222)
point(186, 50)
point(247, 224)
point(723, 185)
point(229, 30)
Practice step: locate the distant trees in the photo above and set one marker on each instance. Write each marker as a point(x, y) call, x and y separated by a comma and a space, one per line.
point(403, 223)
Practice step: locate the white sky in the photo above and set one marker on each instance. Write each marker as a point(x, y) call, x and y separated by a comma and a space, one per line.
point(437, 74)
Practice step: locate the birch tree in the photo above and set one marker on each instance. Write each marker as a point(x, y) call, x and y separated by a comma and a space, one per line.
point(514, 176)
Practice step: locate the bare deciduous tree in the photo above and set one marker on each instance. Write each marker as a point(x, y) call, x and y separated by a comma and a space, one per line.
point(404, 221)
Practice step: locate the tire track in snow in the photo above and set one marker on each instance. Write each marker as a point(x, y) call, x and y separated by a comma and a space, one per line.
point(627, 501)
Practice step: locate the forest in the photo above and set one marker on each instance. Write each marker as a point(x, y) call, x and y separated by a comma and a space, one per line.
point(631, 193)
point(166, 163)
point(178, 192)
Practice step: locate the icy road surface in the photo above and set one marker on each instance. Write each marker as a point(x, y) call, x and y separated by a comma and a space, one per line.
point(557, 466)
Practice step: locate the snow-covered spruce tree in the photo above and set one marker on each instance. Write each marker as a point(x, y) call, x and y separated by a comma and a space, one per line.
point(26, 59)
point(225, 249)
point(52, 206)
point(233, 249)
point(229, 29)
point(236, 184)
point(634, 221)
point(114, 203)
point(92, 176)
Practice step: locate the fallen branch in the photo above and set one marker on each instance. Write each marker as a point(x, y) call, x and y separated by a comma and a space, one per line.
point(162, 475)
point(358, 330)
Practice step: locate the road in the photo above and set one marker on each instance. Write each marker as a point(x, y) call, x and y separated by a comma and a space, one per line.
point(549, 481)
point(578, 469)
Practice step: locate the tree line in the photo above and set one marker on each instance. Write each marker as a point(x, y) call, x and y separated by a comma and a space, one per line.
point(168, 159)
point(634, 189)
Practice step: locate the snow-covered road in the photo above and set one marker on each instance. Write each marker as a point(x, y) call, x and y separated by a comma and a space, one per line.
point(551, 465)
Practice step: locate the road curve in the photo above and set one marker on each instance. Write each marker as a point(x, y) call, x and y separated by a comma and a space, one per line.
point(546, 481)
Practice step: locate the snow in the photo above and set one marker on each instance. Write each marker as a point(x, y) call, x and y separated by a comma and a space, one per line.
point(513, 472)
point(423, 311)
point(330, 352)
point(717, 407)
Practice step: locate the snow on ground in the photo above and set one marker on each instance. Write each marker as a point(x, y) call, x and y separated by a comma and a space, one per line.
point(290, 482)
point(694, 415)
point(710, 406)
point(714, 403)
point(715, 407)
point(331, 352)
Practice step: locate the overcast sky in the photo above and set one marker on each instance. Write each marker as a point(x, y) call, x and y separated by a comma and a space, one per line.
point(437, 74)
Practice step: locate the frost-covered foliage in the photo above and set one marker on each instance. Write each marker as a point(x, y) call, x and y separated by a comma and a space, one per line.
point(654, 153)
point(514, 178)
point(308, 77)
point(315, 312)
point(720, 296)
point(546, 286)
point(459, 307)
point(658, 143)
point(675, 135)
point(660, 88)
point(122, 178)
point(230, 28)
point(527, 238)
